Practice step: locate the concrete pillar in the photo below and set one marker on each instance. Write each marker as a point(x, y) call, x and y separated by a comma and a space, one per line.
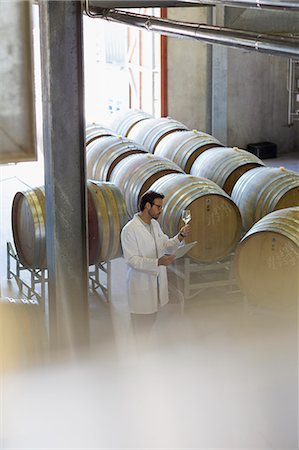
point(65, 179)
point(219, 116)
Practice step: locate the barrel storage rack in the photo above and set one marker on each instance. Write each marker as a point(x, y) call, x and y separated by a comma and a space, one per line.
point(28, 284)
point(100, 277)
point(219, 274)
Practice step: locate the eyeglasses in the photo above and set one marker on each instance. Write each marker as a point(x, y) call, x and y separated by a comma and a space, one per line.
point(158, 206)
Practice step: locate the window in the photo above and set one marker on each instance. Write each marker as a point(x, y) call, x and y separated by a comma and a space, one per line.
point(122, 68)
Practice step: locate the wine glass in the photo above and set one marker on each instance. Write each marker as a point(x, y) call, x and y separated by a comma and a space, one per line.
point(186, 216)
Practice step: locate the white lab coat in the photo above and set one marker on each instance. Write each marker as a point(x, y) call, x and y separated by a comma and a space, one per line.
point(143, 272)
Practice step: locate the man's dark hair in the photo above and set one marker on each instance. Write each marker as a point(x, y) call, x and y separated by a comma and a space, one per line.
point(150, 197)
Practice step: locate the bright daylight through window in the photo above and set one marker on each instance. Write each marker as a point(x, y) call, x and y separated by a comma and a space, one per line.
point(122, 69)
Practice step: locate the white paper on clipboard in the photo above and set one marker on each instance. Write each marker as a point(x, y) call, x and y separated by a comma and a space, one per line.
point(181, 251)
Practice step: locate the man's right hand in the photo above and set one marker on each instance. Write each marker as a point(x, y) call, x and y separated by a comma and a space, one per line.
point(166, 260)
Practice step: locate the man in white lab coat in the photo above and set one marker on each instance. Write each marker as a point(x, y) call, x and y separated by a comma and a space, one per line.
point(147, 251)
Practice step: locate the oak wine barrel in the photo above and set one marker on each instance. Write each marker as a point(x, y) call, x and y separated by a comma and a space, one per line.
point(104, 154)
point(216, 222)
point(135, 175)
point(123, 122)
point(29, 227)
point(183, 147)
point(107, 215)
point(23, 333)
point(95, 131)
point(225, 166)
point(263, 190)
point(150, 132)
point(267, 259)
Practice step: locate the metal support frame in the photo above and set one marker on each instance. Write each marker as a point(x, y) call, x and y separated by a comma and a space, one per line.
point(218, 274)
point(96, 282)
point(40, 277)
point(37, 276)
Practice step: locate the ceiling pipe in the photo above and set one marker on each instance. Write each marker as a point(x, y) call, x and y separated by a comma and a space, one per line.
point(266, 43)
point(260, 4)
point(126, 4)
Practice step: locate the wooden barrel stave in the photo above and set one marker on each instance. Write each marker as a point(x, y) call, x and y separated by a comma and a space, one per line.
point(150, 132)
point(263, 190)
point(284, 194)
point(111, 217)
point(287, 227)
point(235, 175)
point(116, 220)
point(183, 147)
point(29, 227)
point(267, 260)
point(123, 122)
point(136, 174)
point(99, 222)
point(102, 156)
point(216, 221)
point(224, 165)
point(95, 131)
point(23, 333)
point(94, 233)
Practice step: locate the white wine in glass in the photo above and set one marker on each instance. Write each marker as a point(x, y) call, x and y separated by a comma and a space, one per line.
point(186, 216)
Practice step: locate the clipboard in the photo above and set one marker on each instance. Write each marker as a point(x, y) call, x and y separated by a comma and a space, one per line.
point(181, 251)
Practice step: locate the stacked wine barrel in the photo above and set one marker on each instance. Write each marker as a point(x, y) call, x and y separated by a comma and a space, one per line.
point(103, 155)
point(224, 187)
point(263, 190)
point(173, 149)
point(136, 174)
point(256, 191)
point(123, 122)
point(95, 131)
point(107, 214)
point(216, 221)
point(29, 227)
point(267, 260)
point(224, 165)
point(183, 147)
point(150, 132)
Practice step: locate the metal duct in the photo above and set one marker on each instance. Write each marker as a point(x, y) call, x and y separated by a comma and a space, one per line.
point(260, 4)
point(266, 43)
point(111, 4)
